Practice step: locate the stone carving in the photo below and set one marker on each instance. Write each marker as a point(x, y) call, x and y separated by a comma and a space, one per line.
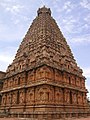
point(43, 72)
point(30, 96)
point(57, 76)
point(45, 94)
point(79, 98)
point(4, 97)
point(14, 98)
point(16, 81)
point(5, 84)
point(58, 95)
point(74, 97)
point(31, 76)
point(48, 73)
point(67, 96)
point(9, 97)
point(22, 79)
point(44, 75)
point(83, 83)
point(21, 96)
point(73, 80)
point(77, 82)
point(84, 99)
point(11, 83)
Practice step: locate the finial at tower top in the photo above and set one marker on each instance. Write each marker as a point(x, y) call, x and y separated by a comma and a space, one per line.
point(44, 10)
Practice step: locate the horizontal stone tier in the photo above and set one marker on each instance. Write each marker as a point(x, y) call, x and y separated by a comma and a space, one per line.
point(47, 82)
point(43, 64)
point(45, 115)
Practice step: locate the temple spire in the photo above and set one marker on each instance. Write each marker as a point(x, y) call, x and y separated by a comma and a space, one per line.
point(44, 10)
point(43, 80)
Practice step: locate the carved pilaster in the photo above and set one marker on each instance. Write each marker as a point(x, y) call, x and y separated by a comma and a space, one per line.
point(45, 94)
point(31, 76)
point(58, 95)
point(30, 96)
point(14, 98)
point(5, 85)
point(79, 97)
point(15, 82)
point(67, 96)
point(58, 76)
point(9, 97)
point(21, 96)
point(74, 97)
point(4, 99)
point(84, 98)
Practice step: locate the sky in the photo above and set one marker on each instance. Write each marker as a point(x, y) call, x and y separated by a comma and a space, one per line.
point(72, 17)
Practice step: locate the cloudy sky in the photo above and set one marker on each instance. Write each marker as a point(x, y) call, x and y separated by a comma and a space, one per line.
point(72, 16)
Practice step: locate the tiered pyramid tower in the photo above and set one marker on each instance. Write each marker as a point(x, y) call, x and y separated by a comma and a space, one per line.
point(44, 80)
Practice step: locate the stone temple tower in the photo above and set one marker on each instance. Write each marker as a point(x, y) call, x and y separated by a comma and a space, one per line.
point(44, 81)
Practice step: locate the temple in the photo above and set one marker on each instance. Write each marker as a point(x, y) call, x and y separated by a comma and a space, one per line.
point(44, 80)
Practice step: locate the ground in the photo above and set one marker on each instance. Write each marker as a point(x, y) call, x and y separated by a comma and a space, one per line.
point(44, 119)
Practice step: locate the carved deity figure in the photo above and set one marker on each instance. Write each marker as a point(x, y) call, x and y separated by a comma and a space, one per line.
point(43, 72)
point(16, 81)
point(84, 98)
point(22, 97)
point(44, 94)
point(57, 76)
point(31, 76)
point(14, 98)
point(58, 95)
point(5, 84)
point(4, 100)
point(9, 99)
point(67, 96)
point(30, 96)
point(74, 97)
point(79, 98)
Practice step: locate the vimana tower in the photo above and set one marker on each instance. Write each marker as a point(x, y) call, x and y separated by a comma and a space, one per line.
point(43, 81)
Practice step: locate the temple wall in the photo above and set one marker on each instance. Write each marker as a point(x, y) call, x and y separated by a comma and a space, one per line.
point(44, 89)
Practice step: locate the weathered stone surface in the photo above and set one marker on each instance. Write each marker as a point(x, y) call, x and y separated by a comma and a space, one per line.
point(2, 74)
point(52, 119)
point(44, 79)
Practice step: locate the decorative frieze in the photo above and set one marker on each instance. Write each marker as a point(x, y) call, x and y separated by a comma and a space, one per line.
point(44, 76)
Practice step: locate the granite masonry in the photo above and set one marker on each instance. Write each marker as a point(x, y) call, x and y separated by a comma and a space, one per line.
point(44, 80)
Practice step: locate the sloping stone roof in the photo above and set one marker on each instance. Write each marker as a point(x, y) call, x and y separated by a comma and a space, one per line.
point(44, 43)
